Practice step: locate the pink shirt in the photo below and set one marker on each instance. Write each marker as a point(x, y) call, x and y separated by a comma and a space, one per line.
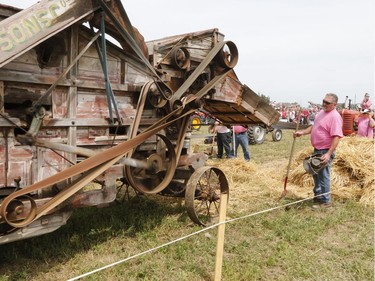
point(364, 130)
point(239, 129)
point(327, 125)
point(366, 104)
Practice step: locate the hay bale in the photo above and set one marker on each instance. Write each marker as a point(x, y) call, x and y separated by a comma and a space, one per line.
point(352, 174)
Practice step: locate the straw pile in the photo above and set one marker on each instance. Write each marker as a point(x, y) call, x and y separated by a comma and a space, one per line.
point(352, 174)
point(250, 183)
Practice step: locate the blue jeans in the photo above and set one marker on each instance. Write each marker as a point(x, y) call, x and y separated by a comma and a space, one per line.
point(322, 180)
point(242, 139)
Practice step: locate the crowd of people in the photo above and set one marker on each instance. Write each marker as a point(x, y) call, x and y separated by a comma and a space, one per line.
point(306, 116)
point(295, 112)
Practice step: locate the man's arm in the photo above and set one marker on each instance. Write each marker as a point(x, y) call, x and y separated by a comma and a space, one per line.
point(371, 120)
point(302, 132)
point(325, 157)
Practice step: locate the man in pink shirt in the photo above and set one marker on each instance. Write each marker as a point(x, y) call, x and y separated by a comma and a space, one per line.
point(241, 138)
point(325, 136)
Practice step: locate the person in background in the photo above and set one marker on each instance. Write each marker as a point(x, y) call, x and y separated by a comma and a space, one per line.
point(325, 136)
point(241, 138)
point(306, 117)
point(366, 124)
point(223, 139)
point(291, 115)
point(366, 102)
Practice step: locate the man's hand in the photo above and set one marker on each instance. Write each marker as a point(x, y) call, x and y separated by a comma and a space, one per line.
point(297, 134)
point(325, 158)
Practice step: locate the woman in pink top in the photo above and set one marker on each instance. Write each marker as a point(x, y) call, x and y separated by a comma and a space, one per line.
point(366, 102)
point(325, 136)
point(366, 124)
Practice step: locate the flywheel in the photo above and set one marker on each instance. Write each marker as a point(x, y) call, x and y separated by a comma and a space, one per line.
point(161, 165)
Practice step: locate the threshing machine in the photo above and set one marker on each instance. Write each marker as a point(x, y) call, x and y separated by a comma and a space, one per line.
point(83, 99)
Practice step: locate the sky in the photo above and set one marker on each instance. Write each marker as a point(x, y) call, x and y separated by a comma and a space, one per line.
point(289, 50)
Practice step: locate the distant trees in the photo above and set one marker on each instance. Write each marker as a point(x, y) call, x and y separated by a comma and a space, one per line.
point(265, 98)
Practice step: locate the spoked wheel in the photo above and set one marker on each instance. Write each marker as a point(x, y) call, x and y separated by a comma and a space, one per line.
point(124, 191)
point(161, 165)
point(202, 196)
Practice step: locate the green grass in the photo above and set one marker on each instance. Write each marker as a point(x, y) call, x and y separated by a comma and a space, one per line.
point(293, 244)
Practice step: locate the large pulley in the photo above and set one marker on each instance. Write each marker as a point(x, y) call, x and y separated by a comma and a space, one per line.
point(227, 57)
point(19, 211)
point(160, 168)
point(202, 196)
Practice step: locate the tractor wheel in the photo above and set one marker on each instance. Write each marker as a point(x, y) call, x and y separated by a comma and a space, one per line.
point(256, 134)
point(277, 135)
point(196, 123)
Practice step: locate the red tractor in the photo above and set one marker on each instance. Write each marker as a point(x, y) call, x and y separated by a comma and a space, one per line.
point(349, 126)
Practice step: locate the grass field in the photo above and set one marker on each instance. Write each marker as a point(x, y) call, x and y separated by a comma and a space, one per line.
point(295, 243)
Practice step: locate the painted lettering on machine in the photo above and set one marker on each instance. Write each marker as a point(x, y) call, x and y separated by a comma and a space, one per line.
point(19, 33)
point(29, 27)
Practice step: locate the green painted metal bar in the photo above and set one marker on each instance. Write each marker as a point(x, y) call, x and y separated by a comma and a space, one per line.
point(109, 91)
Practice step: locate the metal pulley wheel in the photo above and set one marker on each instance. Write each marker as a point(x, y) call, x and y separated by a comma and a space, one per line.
point(228, 55)
point(202, 196)
point(154, 97)
point(161, 165)
point(20, 210)
point(181, 58)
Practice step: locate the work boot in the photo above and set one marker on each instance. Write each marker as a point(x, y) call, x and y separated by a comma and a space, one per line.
point(322, 205)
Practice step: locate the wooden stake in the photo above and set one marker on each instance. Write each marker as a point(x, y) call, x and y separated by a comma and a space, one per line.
point(220, 236)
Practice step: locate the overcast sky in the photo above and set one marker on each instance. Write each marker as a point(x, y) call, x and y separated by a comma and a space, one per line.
point(289, 50)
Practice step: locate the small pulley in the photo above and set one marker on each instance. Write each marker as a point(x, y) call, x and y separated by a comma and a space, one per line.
point(155, 97)
point(181, 58)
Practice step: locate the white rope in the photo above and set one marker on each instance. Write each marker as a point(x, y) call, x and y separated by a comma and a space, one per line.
point(190, 235)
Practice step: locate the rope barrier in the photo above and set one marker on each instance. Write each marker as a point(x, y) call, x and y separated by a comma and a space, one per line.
point(190, 235)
